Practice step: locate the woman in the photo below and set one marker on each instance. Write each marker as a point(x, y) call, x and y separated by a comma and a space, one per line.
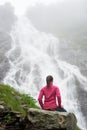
point(50, 93)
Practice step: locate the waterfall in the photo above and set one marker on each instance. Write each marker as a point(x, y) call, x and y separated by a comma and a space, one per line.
point(32, 57)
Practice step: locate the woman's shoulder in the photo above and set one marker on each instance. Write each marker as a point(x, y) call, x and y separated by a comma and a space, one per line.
point(44, 87)
point(56, 87)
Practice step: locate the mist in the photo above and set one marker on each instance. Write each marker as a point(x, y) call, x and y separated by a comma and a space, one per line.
point(65, 18)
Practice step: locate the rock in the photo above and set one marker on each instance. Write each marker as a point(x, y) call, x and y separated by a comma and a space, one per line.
point(11, 120)
point(18, 97)
point(2, 102)
point(1, 107)
point(36, 119)
point(50, 120)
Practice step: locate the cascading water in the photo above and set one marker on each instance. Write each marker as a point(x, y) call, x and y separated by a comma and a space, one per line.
point(33, 56)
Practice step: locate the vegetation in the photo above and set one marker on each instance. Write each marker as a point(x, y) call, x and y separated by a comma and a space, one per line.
point(78, 128)
point(16, 100)
point(7, 118)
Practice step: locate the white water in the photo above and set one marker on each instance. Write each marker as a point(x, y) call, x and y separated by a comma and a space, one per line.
point(33, 56)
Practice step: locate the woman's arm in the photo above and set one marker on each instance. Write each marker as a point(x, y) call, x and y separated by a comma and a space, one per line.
point(58, 96)
point(40, 97)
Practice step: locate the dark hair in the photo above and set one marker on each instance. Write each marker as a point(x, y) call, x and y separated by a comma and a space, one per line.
point(49, 79)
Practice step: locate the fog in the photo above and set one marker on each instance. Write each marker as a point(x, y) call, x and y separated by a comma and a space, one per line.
point(61, 18)
point(21, 5)
point(54, 16)
point(7, 17)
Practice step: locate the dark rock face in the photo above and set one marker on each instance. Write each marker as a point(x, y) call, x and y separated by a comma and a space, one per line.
point(50, 120)
point(74, 54)
point(10, 120)
point(7, 17)
point(5, 45)
point(7, 20)
point(76, 57)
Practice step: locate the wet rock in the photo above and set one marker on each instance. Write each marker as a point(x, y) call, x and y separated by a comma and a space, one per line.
point(51, 120)
point(10, 120)
point(1, 102)
point(36, 119)
point(1, 107)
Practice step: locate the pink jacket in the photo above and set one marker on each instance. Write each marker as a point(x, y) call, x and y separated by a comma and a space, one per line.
point(49, 93)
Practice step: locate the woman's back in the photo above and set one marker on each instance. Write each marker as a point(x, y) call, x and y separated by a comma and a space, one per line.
point(50, 93)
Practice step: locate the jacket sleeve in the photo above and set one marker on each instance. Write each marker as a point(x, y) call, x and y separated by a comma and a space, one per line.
point(40, 97)
point(58, 96)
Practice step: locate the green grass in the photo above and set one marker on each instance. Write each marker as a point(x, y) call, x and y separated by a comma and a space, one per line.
point(16, 100)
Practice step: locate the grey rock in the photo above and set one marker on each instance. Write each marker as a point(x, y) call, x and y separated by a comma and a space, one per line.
point(1, 107)
point(1, 102)
point(50, 120)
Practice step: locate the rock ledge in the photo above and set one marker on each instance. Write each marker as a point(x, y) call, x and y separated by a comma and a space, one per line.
point(50, 120)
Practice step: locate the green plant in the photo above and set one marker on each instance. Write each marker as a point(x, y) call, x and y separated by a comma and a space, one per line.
point(28, 100)
point(16, 100)
point(7, 118)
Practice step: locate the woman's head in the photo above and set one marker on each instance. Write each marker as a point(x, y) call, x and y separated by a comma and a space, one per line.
point(49, 79)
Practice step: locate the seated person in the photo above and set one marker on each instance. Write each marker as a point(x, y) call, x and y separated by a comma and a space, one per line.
point(50, 92)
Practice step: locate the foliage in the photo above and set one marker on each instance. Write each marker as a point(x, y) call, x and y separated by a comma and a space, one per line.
point(30, 101)
point(78, 128)
point(7, 118)
point(16, 100)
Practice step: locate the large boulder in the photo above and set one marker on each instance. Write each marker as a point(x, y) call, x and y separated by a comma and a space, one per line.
point(50, 120)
